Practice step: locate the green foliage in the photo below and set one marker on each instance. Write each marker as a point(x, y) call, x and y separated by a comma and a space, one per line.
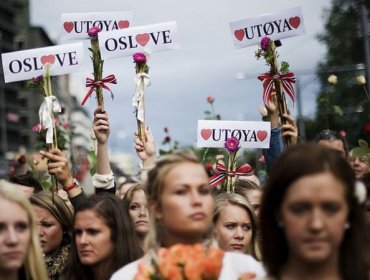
point(342, 106)
point(91, 156)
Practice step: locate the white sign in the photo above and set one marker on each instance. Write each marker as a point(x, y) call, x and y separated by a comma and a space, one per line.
point(25, 65)
point(213, 134)
point(76, 25)
point(149, 38)
point(285, 24)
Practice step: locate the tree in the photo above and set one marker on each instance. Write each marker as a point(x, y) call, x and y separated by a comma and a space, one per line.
point(342, 106)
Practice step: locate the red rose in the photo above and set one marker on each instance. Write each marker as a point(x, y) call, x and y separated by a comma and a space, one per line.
point(210, 99)
point(367, 128)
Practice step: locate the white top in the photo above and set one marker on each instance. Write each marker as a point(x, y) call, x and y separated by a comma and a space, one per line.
point(234, 264)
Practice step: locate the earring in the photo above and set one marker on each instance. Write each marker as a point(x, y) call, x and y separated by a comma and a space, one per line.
point(347, 225)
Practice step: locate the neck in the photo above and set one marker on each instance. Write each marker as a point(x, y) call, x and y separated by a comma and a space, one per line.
point(102, 271)
point(8, 275)
point(172, 239)
point(297, 269)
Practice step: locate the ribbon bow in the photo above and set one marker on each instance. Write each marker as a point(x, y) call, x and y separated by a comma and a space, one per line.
point(48, 107)
point(221, 172)
point(287, 81)
point(142, 80)
point(92, 84)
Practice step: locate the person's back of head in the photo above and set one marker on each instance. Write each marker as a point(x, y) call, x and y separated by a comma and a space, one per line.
point(27, 180)
point(332, 139)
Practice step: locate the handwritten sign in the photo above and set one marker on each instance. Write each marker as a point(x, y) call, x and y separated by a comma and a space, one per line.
point(213, 134)
point(150, 38)
point(285, 24)
point(27, 64)
point(76, 25)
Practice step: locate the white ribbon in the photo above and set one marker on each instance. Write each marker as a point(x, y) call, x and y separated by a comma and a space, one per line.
point(48, 107)
point(142, 80)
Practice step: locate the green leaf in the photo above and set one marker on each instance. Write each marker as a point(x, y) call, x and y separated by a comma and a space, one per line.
point(91, 156)
point(363, 144)
point(337, 110)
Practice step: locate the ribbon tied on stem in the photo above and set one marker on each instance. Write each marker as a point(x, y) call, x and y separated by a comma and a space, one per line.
point(221, 173)
point(92, 84)
point(49, 106)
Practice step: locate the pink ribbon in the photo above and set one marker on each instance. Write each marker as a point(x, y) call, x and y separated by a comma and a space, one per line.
point(92, 84)
point(287, 81)
point(221, 173)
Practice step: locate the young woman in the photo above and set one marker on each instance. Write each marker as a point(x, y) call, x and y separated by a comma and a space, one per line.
point(136, 207)
point(20, 251)
point(181, 207)
point(55, 224)
point(311, 222)
point(104, 239)
point(235, 225)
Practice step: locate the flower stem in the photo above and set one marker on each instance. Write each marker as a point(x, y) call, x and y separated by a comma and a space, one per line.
point(98, 70)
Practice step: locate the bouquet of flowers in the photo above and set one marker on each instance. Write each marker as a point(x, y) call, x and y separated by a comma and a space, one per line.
point(225, 175)
point(277, 80)
point(183, 262)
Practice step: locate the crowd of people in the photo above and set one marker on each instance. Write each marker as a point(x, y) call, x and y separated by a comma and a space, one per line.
point(309, 220)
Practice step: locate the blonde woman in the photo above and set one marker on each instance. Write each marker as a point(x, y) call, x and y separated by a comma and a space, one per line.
point(181, 207)
point(235, 225)
point(20, 251)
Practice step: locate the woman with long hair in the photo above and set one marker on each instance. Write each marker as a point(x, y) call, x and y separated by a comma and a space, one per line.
point(235, 225)
point(136, 206)
point(311, 223)
point(55, 223)
point(181, 207)
point(20, 251)
point(104, 239)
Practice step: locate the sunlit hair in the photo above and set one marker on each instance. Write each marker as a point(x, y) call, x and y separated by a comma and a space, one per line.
point(297, 162)
point(58, 209)
point(154, 189)
point(225, 199)
point(129, 196)
point(34, 266)
point(110, 210)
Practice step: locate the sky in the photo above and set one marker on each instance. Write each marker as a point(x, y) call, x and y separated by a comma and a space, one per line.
point(207, 63)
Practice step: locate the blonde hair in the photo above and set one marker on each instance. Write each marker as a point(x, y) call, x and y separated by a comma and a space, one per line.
point(154, 189)
point(225, 199)
point(34, 262)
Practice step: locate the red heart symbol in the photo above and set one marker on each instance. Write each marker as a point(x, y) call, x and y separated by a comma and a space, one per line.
point(122, 24)
point(295, 22)
point(68, 26)
point(48, 59)
point(142, 39)
point(261, 135)
point(206, 133)
point(239, 34)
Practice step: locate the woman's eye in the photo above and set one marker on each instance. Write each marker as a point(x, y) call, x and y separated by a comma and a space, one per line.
point(180, 191)
point(204, 191)
point(298, 208)
point(230, 226)
point(331, 208)
point(134, 207)
point(247, 227)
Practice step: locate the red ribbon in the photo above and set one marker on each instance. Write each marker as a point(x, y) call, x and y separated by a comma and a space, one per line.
point(92, 84)
point(287, 81)
point(221, 173)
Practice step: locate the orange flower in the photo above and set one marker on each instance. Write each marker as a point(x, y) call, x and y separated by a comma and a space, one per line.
point(144, 271)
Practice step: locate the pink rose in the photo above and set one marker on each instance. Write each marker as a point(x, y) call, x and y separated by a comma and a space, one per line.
point(210, 99)
point(139, 58)
point(93, 31)
point(265, 43)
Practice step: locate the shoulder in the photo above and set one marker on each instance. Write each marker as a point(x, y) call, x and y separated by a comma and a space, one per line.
point(127, 272)
point(234, 264)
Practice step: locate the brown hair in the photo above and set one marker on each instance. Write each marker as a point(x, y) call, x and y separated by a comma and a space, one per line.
point(296, 162)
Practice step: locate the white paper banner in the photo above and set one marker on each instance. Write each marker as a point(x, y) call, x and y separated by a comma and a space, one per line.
point(76, 25)
point(284, 24)
point(25, 65)
point(149, 38)
point(213, 134)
